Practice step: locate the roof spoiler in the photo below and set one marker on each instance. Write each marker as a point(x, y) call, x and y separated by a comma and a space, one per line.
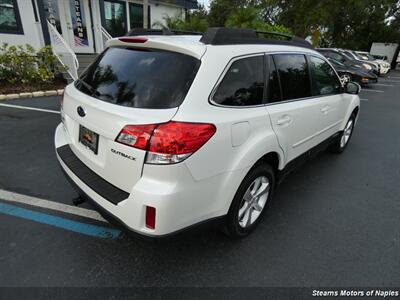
point(234, 36)
point(163, 31)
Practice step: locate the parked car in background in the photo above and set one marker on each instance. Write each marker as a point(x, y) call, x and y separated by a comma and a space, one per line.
point(380, 57)
point(350, 73)
point(345, 59)
point(384, 66)
point(352, 55)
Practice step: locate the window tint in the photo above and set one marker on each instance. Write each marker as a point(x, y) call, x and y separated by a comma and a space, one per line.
point(274, 90)
point(243, 84)
point(140, 78)
point(9, 17)
point(324, 79)
point(293, 74)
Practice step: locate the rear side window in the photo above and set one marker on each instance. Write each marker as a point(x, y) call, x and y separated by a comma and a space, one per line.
point(323, 78)
point(140, 78)
point(243, 84)
point(293, 74)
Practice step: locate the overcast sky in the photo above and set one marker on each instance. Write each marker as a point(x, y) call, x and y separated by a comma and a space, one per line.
point(204, 2)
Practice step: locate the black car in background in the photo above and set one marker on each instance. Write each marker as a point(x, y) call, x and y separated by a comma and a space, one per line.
point(346, 60)
point(350, 73)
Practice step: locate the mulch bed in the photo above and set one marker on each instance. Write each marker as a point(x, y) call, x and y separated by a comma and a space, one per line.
point(7, 88)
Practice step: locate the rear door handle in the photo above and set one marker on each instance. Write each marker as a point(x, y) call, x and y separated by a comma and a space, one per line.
point(284, 120)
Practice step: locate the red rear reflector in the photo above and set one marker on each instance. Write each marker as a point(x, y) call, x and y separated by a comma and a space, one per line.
point(150, 217)
point(138, 40)
point(180, 137)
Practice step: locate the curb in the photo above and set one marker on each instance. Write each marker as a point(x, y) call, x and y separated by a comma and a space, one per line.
point(31, 95)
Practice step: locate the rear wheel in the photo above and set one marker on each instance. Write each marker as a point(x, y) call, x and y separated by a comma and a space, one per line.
point(248, 205)
point(344, 138)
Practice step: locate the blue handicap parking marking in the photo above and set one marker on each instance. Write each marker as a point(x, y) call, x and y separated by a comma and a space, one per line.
point(75, 226)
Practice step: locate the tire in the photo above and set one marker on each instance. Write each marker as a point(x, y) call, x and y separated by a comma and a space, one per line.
point(343, 140)
point(252, 208)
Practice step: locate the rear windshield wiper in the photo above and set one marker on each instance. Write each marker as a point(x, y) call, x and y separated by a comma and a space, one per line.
point(92, 90)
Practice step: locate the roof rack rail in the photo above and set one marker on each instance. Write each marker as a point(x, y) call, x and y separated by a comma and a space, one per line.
point(241, 36)
point(163, 31)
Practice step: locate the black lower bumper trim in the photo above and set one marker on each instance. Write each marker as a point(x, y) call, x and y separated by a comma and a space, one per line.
point(207, 224)
point(90, 178)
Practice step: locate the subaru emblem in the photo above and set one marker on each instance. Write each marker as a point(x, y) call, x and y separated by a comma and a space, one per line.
point(81, 111)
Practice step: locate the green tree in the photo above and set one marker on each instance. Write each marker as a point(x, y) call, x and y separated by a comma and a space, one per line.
point(220, 10)
point(195, 20)
point(340, 23)
point(251, 17)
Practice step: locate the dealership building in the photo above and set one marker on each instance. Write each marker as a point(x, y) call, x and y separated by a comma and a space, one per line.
point(79, 27)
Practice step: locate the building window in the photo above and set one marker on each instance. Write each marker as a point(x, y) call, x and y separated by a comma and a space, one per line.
point(10, 21)
point(114, 17)
point(136, 15)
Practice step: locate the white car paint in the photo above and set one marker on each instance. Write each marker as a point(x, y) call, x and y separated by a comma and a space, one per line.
point(202, 186)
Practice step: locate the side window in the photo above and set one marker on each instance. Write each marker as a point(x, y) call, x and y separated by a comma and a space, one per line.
point(337, 56)
point(323, 79)
point(243, 84)
point(274, 89)
point(10, 21)
point(293, 74)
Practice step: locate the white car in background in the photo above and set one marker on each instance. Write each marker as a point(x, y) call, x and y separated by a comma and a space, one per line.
point(167, 132)
point(384, 65)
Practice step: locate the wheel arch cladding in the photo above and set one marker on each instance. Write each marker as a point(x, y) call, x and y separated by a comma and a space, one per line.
point(271, 158)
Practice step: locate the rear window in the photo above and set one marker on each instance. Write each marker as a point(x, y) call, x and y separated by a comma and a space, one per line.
point(139, 78)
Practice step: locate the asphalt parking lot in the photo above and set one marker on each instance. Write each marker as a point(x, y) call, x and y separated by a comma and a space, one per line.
point(334, 221)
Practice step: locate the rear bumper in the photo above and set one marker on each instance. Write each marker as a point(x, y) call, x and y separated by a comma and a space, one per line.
point(180, 201)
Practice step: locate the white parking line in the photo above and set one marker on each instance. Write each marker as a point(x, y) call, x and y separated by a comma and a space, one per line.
point(374, 91)
point(362, 99)
point(30, 108)
point(38, 202)
point(395, 81)
point(381, 84)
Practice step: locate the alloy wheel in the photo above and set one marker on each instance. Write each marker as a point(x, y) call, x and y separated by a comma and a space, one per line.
point(254, 201)
point(346, 133)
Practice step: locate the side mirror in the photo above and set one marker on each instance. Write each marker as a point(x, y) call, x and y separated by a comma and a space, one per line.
point(352, 88)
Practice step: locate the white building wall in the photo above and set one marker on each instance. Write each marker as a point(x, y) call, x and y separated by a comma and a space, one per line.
point(32, 29)
point(159, 11)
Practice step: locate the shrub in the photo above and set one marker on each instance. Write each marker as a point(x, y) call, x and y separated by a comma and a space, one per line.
point(24, 65)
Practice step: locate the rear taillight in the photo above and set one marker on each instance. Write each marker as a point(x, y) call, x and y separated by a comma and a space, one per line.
point(136, 136)
point(167, 143)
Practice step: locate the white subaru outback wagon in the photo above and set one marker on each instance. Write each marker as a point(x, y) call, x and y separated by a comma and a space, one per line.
point(166, 132)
